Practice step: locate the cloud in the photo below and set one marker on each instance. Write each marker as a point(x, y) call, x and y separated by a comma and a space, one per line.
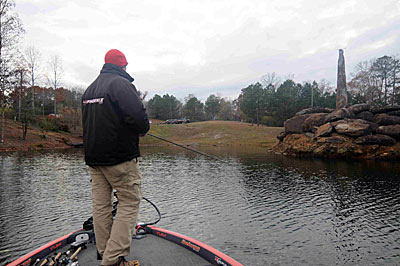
point(181, 47)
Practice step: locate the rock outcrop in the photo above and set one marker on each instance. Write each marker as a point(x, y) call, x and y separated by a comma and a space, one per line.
point(359, 131)
point(313, 121)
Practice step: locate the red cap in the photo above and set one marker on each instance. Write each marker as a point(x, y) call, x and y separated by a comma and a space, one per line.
point(115, 57)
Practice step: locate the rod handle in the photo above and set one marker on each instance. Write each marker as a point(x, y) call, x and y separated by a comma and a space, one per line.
point(55, 259)
point(75, 253)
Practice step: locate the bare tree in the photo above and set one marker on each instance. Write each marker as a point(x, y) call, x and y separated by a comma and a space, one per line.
point(78, 92)
point(325, 86)
point(32, 57)
point(381, 69)
point(271, 79)
point(289, 76)
point(376, 81)
point(363, 84)
point(54, 79)
point(10, 31)
point(395, 79)
point(20, 80)
point(20, 75)
point(142, 95)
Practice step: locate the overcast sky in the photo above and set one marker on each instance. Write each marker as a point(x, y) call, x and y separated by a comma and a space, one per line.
point(207, 47)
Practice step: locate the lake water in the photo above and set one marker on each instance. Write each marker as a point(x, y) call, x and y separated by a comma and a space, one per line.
point(258, 207)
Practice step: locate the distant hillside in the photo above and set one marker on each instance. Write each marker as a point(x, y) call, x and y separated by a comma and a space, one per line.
point(218, 133)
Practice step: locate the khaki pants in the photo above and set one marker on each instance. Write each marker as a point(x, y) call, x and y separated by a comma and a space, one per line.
point(113, 238)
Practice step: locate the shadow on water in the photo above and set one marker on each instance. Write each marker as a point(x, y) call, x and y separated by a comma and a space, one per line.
point(260, 208)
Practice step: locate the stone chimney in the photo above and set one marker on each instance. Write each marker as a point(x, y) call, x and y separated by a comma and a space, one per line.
point(341, 91)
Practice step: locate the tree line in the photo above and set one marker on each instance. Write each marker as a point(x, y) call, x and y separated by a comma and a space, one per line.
point(271, 102)
point(31, 91)
point(169, 107)
point(377, 81)
point(268, 103)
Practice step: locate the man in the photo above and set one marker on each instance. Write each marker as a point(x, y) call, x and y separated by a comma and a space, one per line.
point(113, 119)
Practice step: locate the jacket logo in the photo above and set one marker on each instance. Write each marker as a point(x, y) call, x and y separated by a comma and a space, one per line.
point(97, 100)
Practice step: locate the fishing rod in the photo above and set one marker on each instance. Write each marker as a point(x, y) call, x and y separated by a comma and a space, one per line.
point(185, 147)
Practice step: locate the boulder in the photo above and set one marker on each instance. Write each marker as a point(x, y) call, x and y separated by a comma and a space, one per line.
point(358, 108)
point(315, 110)
point(324, 130)
point(314, 120)
point(352, 127)
point(339, 114)
point(281, 135)
point(397, 113)
point(357, 132)
point(333, 139)
point(337, 146)
point(377, 139)
point(295, 124)
point(392, 130)
point(374, 126)
point(385, 119)
point(385, 109)
point(391, 108)
point(309, 134)
point(322, 151)
point(298, 143)
point(366, 115)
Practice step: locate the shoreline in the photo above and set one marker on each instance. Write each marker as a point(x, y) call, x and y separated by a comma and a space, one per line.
point(197, 134)
point(34, 141)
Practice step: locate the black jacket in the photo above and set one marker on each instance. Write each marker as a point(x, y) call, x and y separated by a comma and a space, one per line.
point(113, 117)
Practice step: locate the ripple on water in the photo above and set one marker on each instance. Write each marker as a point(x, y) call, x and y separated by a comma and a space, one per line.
point(266, 210)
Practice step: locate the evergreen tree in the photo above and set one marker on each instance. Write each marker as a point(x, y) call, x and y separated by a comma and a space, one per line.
point(213, 106)
point(193, 109)
point(253, 102)
point(163, 108)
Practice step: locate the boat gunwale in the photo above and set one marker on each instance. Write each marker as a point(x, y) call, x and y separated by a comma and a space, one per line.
point(46, 249)
point(201, 249)
point(209, 253)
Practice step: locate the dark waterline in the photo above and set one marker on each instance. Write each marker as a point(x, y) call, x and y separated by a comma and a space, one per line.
point(260, 208)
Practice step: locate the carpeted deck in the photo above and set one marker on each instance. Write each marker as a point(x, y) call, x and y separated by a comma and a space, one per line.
point(150, 251)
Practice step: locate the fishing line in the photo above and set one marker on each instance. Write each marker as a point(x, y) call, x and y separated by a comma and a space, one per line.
point(183, 146)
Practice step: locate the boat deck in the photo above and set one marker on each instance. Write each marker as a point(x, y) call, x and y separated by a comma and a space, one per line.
point(150, 251)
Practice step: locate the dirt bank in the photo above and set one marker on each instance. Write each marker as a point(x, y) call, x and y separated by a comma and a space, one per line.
point(34, 140)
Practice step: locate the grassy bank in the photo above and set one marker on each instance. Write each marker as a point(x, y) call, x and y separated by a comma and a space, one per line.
point(218, 133)
point(208, 133)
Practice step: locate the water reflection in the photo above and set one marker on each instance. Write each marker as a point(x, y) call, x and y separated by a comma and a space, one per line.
point(260, 208)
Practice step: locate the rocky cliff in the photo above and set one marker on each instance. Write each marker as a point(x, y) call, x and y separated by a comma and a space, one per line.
point(359, 131)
